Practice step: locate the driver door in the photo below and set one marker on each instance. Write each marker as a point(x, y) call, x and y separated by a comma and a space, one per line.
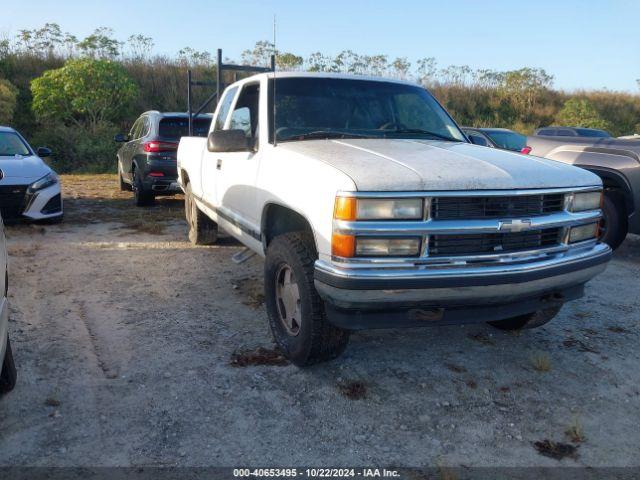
point(236, 172)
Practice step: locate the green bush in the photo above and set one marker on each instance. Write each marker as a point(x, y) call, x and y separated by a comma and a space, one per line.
point(580, 112)
point(79, 150)
point(8, 101)
point(85, 93)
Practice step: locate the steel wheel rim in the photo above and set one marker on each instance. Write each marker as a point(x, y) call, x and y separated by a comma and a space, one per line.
point(288, 300)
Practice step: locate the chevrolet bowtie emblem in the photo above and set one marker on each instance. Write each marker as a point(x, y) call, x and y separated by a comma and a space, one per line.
point(514, 225)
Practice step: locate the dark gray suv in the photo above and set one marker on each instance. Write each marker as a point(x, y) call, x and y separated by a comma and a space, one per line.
point(147, 157)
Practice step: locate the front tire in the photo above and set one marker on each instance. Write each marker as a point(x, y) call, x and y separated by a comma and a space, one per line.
point(613, 227)
point(527, 321)
point(296, 312)
point(202, 230)
point(8, 375)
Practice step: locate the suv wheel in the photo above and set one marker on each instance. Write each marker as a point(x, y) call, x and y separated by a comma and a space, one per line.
point(527, 321)
point(613, 226)
point(295, 310)
point(9, 375)
point(142, 197)
point(202, 230)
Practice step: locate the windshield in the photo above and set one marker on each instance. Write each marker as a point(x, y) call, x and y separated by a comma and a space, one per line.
point(176, 127)
point(344, 108)
point(508, 140)
point(11, 144)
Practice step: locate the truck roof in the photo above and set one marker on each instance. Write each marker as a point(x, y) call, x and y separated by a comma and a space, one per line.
point(345, 76)
point(6, 129)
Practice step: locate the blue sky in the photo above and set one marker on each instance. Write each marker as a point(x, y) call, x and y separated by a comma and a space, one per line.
point(587, 44)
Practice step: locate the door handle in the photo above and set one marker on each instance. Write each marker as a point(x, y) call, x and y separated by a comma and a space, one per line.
point(219, 164)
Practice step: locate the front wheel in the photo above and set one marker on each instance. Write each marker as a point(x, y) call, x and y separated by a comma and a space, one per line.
point(296, 312)
point(613, 226)
point(8, 375)
point(527, 321)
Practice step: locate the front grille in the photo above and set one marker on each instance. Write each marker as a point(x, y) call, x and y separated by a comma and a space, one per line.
point(486, 243)
point(470, 208)
point(12, 199)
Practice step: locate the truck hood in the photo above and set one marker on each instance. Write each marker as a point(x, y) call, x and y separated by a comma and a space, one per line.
point(404, 165)
point(21, 169)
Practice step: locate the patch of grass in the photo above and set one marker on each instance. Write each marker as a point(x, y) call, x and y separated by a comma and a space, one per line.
point(618, 329)
point(52, 402)
point(251, 289)
point(97, 199)
point(575, 432)
point(556, 450)
point(353, 390)
point(258, 356)
point(481, 337)
point(541, 362)
point(455, 368)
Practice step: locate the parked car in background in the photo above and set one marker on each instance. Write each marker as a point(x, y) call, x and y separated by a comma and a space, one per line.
point(635, 136)
point(572, 132)
point(373, 210)
point(502, 138)
point(616, 162)
point(147, 158)
point(29, 188)
point(7, 365)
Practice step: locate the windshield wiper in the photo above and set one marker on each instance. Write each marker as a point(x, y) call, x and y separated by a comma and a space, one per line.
point(423, 132)
point(326, 134)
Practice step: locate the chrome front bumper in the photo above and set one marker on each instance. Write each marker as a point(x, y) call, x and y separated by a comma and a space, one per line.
point(467, 284)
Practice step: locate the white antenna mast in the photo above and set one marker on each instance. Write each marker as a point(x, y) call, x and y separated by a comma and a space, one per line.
point(275, 61)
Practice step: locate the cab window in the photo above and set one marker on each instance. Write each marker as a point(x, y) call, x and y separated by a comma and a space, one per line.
point(225, 106)
point(245, 113)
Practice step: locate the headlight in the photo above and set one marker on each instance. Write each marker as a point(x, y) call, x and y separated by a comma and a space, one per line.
point(350, 208)
point(583, 232)
point(387, 247)
point(46, 181)
point(585, 201)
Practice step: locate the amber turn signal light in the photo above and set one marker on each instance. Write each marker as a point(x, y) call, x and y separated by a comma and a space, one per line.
point(343, 245)
point(345, 208)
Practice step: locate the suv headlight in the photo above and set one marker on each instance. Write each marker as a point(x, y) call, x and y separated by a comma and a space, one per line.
point(46, 181)
point(583, 201)
point(351, 208)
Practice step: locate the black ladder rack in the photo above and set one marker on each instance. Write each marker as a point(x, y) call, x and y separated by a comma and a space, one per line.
point(222, 67)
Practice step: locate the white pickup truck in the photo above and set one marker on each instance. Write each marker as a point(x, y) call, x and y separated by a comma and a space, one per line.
point(373, 210)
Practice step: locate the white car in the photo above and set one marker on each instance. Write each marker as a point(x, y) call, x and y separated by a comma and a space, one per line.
point(7, 366)
point(29, 188)
point(373, 210)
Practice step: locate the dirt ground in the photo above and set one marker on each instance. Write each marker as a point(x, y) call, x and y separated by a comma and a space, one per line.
point(130, 345)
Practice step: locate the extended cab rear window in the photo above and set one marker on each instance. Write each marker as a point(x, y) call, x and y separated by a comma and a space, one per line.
point(174, 128)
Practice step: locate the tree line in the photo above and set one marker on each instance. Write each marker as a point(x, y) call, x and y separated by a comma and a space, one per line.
point(74, 93)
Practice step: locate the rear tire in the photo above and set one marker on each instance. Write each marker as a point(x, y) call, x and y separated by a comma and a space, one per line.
point(613, 227)
point(9, 375)
point(202, 230)
point(142, 197)
point(296, 312)
point(527, 321)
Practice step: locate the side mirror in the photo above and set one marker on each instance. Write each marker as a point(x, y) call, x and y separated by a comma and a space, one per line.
point(120, 138)
point(44, 152)
point(478, 140)
point(228, 141)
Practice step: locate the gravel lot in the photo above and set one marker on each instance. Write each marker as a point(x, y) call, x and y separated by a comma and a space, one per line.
point(125, 337)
